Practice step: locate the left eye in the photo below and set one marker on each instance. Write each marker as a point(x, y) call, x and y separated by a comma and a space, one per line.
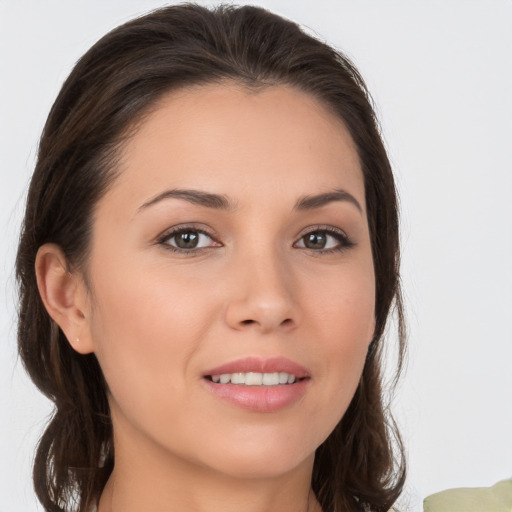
point(188, 239)
point(321, 240)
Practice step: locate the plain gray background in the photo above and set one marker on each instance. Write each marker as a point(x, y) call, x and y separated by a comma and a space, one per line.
point(441, 75)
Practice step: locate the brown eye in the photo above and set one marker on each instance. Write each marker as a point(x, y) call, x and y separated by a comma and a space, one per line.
point(188, 239)
point(324, 240)
point(315, 240)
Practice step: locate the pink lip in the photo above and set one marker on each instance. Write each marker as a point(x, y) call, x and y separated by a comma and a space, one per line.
point(260, 398)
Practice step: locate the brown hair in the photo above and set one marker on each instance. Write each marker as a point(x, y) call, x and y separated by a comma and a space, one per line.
point(361, 465)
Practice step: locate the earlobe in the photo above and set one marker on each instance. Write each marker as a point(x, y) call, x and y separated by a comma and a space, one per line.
point(64, 296)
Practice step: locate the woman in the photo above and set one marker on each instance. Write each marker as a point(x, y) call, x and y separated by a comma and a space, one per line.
point(208, 260)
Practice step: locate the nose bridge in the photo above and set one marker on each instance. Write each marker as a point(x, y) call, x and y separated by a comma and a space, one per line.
point(263, 293)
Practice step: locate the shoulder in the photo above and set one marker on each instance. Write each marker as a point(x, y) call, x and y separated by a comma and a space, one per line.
point(497, 498)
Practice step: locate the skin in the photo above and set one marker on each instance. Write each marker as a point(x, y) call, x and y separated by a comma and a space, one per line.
point(158, 319)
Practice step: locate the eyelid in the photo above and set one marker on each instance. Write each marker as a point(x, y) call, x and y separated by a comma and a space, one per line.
point(327, 228)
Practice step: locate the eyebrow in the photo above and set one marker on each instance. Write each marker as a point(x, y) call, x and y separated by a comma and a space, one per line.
point(222, 202)
point(198, 197)
point(319, 200)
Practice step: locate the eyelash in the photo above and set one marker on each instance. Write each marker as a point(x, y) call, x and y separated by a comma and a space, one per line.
point(344, 242)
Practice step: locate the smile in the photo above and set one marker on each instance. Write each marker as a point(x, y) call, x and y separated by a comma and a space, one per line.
point(259, 384)
point(255, 378)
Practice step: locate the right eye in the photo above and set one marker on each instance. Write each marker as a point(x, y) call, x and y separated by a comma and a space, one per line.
point(188, 239)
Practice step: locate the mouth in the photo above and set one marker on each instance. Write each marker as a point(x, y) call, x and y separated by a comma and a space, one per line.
point(259, 385)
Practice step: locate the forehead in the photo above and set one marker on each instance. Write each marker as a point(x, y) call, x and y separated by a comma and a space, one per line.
point(228, 139)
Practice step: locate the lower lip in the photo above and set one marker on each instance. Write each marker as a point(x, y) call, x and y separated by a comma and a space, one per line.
point(259, 398)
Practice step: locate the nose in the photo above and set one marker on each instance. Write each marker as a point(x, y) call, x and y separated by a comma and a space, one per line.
point(262, 295)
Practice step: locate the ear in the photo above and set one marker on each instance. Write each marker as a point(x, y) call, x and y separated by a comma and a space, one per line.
point(64, 296)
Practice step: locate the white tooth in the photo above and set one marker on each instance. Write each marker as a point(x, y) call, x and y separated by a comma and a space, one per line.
point(253, 379)
point(270, 379)
point(283, 378)
point(238, 378)
point(225, 378)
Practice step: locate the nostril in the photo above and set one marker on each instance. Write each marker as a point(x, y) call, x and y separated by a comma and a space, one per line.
point(285, 322)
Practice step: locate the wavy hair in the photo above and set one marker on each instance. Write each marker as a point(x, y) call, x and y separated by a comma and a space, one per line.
point(119, 80)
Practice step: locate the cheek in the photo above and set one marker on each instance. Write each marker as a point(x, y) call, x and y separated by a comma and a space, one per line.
point(343, 328)
point(146, 330)
point(344, 307)
point(347, 332)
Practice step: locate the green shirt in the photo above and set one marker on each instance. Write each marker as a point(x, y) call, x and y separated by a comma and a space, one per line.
point(497, 498)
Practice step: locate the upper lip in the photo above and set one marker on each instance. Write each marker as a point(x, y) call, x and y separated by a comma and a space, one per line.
point(260, 365)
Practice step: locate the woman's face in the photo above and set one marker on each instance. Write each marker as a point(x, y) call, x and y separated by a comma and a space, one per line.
point(231, 255)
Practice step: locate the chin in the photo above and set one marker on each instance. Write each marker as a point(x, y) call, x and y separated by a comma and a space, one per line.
point(265, 458)
point(261, 468)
